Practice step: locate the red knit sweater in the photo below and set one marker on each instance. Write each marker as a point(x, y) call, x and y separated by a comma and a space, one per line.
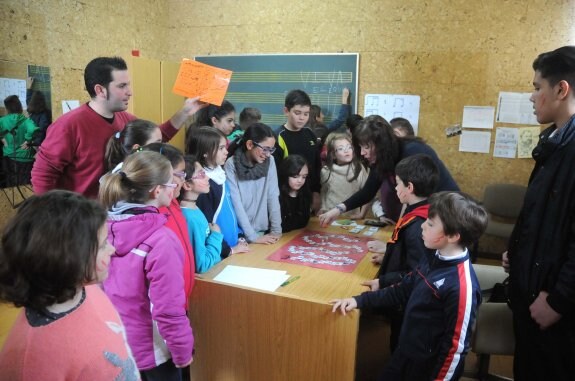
point(72, 155)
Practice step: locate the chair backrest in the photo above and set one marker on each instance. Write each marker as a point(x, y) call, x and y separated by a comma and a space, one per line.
point(488, 275)
point(493, 333)
point(504, 200)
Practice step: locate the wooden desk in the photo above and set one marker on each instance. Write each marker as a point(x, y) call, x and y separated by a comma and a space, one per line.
point(290, 334)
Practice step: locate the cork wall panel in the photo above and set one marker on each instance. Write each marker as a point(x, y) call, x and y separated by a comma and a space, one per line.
point(66, 34)
point(452, 53)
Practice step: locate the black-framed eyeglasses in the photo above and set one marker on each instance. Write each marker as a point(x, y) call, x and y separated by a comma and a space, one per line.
point(268, 150)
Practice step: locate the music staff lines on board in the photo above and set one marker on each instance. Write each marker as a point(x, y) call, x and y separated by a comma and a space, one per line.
point(305, 77)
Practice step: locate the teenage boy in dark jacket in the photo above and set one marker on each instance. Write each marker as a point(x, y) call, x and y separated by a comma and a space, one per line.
point(541, 253)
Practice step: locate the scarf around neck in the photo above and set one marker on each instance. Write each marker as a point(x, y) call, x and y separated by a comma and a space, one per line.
point(245, 170)
point(217, 174)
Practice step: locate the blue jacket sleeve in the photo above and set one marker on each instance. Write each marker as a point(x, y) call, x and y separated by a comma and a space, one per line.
point(394, 295)
point(207, 244)
point(344, 112)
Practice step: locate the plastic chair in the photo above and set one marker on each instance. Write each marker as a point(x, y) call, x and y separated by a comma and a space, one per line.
point(493, 333)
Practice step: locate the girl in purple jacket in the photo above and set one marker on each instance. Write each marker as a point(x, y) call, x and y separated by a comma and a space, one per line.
point(145, 281)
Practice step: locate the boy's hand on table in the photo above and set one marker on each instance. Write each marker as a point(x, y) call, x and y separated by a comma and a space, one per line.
point(372, 284)
point(345, 305)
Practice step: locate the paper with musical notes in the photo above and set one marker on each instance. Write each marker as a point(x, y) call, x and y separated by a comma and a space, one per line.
point(195, 79)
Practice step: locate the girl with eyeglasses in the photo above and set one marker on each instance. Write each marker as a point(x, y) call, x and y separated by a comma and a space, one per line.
point(342, 175)
point(252, 175)
point(206, 238)
point(176, 220)
point(146, 282)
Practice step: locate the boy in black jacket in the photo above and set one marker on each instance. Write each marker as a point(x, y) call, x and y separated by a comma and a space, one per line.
point(295, 138)
point(441, 295)
point(416, 177)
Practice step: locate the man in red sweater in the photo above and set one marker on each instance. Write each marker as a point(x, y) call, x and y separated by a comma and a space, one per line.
point(72, 155)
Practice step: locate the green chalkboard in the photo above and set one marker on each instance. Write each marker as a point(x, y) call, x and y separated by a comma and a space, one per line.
point(263, 81)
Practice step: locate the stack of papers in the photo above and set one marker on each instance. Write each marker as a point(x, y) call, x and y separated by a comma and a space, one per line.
point(260, 279)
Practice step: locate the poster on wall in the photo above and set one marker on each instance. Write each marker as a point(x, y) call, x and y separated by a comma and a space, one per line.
point(515, 108)
point(475, 141)
point(392, 106)
point(505, 142)
point(11, 86)
point(478, 117)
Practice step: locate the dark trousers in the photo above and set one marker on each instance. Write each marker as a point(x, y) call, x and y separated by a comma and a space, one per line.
point(543, 355)
point(16, 172)
point(403, 368)
point(164, 372)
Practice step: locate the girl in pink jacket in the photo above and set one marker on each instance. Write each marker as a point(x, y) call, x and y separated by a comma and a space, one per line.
point(145, 281)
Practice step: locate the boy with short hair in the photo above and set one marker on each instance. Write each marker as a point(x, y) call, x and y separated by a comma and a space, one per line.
point(441, 295)
point(416, 178)
point(295, 138)
point(541, 258)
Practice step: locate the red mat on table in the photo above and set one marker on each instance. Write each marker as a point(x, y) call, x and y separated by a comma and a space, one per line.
point(323, 250)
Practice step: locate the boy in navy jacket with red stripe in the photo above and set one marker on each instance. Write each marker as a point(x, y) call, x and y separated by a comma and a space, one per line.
point(441, 295)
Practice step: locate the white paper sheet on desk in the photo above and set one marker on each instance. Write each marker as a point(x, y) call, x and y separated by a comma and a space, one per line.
point(260, 279)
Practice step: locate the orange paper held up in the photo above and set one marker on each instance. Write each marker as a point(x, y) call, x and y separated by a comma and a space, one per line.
point(195, 79)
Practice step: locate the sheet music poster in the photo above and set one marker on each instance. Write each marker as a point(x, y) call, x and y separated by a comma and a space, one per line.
point(393, 106)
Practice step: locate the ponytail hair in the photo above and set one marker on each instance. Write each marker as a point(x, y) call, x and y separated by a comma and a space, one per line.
point(204, 116)
point(140, 173)
point(121, 144)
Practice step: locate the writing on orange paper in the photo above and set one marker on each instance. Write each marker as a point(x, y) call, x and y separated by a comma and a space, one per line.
point(195, 79)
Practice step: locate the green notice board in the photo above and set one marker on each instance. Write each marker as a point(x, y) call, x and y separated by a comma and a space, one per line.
point(263, 81)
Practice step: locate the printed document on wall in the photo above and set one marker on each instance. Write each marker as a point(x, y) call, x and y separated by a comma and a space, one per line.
point(10, 86)
point(515, 108)
point(392, 106)
point(505, 142)
point(478, 117)
point(475, 141)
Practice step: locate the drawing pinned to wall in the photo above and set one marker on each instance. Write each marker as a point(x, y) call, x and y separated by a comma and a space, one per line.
point(505, 142)
point(515, 108)
point(475, 141)
point(528, 138)
point(478, 117)
point(10, 86)
point(392, 106)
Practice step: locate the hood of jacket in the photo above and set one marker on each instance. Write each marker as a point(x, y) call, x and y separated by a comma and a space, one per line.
point(131, 225)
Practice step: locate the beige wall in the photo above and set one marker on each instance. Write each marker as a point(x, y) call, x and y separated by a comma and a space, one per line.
point(451, 53)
